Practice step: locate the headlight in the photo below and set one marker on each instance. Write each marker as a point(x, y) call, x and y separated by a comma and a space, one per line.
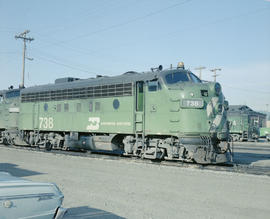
point(217, 88)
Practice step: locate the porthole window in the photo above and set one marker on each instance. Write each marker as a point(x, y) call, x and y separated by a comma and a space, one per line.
point(45, 107)
point(116, 104)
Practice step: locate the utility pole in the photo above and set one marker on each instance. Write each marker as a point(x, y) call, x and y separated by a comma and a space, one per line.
point(25, 39)
point(200, 70)
point(215, 73)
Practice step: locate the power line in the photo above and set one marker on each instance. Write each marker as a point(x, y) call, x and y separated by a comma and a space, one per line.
point(221, 20)
point(171, 35)
point(83, 17)
point(65, 65)
point(78, 50)
point(61, 61)
point(126, 22)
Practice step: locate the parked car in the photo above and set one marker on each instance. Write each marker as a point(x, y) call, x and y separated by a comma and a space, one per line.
point(20, 198)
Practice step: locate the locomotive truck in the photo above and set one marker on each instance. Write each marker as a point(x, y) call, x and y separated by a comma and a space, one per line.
point(162, 114)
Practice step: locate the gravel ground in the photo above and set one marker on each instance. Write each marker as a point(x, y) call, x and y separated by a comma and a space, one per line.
point(103, 188)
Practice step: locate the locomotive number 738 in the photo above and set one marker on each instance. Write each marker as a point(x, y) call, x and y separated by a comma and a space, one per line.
point(45, 122)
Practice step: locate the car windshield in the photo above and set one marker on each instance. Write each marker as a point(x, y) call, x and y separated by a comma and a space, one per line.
point(176, 77)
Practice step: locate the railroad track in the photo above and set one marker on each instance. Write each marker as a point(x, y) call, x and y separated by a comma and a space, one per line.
point(228, 167)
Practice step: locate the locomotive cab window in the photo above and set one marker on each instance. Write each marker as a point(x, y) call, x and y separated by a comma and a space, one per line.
point(194, 78)
point(176, 77)
point(153, 86)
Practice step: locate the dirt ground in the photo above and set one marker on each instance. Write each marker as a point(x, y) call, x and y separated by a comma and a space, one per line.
point(104, 188)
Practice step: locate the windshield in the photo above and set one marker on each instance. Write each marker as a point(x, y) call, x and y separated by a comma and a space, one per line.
point(175, 77)
point(194, 78)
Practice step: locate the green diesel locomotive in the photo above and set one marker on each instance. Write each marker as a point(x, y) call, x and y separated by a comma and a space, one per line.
point(245, 123)
point(265, 133)
point(163, 114)
point(9, 113)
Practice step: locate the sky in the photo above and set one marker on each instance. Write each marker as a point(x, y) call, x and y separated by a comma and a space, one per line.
point(84, 38)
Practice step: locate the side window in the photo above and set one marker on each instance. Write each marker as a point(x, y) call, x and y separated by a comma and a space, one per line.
point(66, 107)
point(97, 106)
point(79, 107)
point(58, 107)
point(153, 86)
point(91, 106)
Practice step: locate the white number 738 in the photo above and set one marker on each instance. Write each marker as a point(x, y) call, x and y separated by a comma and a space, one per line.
point(45, 122)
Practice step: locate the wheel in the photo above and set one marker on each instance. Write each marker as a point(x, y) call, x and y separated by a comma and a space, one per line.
point(48, 146)
point(5, 142)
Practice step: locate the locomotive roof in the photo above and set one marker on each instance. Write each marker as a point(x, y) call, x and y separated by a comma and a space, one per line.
point(127, 77)
point(243, 109)
point(2, 92)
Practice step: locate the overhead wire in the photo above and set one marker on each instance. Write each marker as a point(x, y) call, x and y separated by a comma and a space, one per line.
point(60, 43)
point(216, 21)
point(200, 26)
point(83, 51)
point(63, 64)
point(124, 23)
point(60, 61)
point(82, 18)
point(166, 35)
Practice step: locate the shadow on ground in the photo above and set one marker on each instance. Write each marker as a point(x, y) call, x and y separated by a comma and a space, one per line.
point(248, 158)
point(266, 149)
point(14, 170)
point(85, 212)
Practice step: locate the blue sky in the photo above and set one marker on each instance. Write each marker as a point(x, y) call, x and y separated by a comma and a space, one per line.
point(83, 38)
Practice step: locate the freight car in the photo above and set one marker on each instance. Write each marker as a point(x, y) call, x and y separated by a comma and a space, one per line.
point(163, 114)
point(245, 123)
